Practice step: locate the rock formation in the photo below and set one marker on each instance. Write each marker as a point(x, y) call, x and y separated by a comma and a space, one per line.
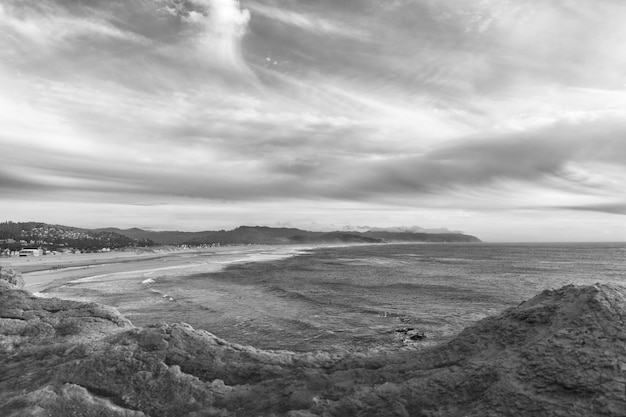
point(11, 278)
point(562, 353)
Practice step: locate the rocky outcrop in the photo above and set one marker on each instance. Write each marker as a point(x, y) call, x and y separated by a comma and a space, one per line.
point(11, 278)
point(562, 353)
point(408, 334)
point(28, 323)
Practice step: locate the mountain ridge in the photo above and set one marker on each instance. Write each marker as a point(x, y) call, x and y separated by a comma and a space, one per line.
point(283, 235)
point(15, 236)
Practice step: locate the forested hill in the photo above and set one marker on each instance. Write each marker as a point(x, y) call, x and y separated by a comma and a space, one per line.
point(270, 235)
point(18, 235)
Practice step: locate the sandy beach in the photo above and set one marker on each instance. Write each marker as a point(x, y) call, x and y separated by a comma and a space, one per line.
point(44, 274)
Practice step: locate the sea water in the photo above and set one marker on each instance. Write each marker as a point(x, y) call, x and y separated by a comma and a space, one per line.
point(363, 297)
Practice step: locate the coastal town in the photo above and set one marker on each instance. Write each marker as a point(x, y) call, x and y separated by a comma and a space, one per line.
point(38, 239)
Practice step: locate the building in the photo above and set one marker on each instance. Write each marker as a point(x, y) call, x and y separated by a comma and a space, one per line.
point(31, 252)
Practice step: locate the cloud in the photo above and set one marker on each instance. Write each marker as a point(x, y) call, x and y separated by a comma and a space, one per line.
point(611, 208)
point(402, 229)
point(543, 156)
point(207, 146)
point(308, 22)
point(520, 171)
point(222, 25)
point(53, 27)
point(145, 45)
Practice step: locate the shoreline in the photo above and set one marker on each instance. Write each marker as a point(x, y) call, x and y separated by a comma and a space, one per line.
point(45, 267)
point(47, 272)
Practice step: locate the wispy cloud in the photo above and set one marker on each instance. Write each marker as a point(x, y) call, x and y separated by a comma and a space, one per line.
point(612, 208)
point(51, 26)
point(312, 23)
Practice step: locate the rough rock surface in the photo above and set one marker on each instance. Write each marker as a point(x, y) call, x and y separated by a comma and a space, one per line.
point(562, 353)
point(10, 278)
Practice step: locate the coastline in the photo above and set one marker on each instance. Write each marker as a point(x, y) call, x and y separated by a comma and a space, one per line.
point(45, 273)
point(342, 295)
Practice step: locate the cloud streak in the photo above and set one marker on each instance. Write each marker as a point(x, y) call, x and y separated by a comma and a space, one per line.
point(52, 27)
point(307, 22)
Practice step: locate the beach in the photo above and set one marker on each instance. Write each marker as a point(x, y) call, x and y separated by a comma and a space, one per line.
point(43, 274)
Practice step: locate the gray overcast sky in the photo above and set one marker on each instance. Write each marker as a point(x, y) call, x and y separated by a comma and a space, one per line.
point(505, 119)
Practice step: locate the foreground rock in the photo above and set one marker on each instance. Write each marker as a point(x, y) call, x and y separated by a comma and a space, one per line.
point(563, 353)
point(10, 278)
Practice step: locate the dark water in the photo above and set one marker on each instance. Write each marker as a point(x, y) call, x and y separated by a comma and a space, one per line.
point(355, 298)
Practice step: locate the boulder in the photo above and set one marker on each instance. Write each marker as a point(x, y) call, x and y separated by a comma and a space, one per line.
point(409, 334)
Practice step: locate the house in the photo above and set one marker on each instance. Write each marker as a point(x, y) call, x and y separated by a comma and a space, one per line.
point(31, 252)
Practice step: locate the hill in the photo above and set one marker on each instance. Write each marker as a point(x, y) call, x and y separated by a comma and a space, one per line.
point(17, 235)
point(160, 238)
point(559, 354)
point(421, 237)
point(270, 235)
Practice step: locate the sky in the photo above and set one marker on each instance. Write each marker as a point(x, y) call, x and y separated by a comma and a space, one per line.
point(504, 119)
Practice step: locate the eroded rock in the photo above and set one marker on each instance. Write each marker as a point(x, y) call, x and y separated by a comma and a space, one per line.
point(28, 322)
point(411, 334)
point(562, 353)
point(11, 278)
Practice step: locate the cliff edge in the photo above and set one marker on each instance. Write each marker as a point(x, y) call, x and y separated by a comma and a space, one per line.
point(562, 353)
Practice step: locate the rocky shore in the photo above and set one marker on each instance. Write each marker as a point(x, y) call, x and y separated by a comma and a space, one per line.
point(562, 353)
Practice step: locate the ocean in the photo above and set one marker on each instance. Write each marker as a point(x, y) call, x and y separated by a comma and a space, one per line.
point(369, 297)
